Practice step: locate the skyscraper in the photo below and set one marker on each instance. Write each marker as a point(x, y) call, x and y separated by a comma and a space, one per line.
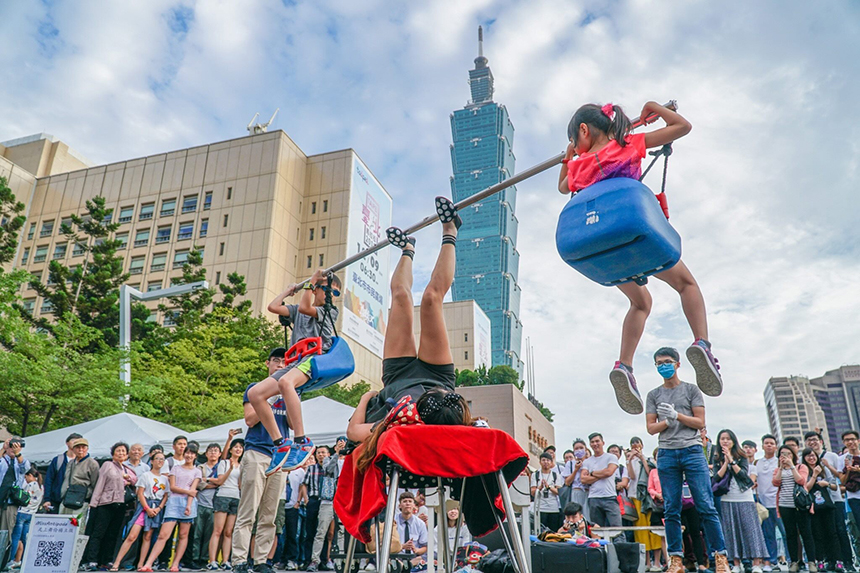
point(792, 408)
point(838, 393)
point(487, 259)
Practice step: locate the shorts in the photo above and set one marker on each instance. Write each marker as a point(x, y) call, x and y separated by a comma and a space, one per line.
point(174, 510)
point(228, 505)
point(408, 376)
point(144, 521)
point(304, 366)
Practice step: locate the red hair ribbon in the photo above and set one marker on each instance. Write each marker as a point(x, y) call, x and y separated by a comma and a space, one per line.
point(404, 413)
point(609, 111)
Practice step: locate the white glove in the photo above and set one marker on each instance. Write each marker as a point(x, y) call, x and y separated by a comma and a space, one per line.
point(667, 412)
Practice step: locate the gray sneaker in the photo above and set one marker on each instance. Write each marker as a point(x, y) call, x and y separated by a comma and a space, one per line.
point(292, 566)
point(313, 567)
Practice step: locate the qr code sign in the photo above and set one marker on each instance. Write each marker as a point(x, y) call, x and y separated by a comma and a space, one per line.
point(49, 553)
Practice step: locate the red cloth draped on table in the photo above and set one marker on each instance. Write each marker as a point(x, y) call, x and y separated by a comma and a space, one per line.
point(433, 451)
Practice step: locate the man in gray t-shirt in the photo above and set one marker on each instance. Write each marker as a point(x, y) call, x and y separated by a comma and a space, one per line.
point(676, 411)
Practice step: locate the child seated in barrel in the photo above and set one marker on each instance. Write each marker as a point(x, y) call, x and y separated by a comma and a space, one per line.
point(602, 147)
point(310, 319)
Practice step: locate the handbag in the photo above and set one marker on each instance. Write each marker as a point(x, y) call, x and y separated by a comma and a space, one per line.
point(628, 510)
point(328, 487)
point(130, 496)
point(721, 486)
point(395, 545)
point(802, 499)
point(19, 496)
point(76, 496)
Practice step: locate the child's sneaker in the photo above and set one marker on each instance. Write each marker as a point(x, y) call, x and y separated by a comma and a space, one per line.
point(707, 368)
point(279, 457)
point(626, 392)
point(299, 453)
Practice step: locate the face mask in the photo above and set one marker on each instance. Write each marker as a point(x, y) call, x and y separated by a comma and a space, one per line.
point(579, 454)
point(666, 370)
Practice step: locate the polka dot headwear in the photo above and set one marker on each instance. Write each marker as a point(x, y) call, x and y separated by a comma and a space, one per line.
point(404, 413)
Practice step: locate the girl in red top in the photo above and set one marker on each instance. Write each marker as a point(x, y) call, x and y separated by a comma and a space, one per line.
point(600, 140)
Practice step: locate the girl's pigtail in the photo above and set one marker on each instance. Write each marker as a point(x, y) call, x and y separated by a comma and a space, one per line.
point(619, 126)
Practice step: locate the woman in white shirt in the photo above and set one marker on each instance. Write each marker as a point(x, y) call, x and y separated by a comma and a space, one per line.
point(226, 501)
point(33, 486)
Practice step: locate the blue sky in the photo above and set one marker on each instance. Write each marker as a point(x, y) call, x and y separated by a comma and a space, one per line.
point(763, 190)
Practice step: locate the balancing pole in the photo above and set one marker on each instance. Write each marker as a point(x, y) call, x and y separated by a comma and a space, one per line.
point(471, 200)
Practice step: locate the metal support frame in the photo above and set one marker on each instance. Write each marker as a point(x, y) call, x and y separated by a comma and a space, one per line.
point(519, 566)
point(519, 550)
point(383, 560)
point(459, 522)
point(443, 528)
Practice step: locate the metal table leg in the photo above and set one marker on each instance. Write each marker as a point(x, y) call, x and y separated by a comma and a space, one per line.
point(517, 542)
point(350, 553)
point(505, 540)
point(459, 524)
point(390, 509)
point(442, 528)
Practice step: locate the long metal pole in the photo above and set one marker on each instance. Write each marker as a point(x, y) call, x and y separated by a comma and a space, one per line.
point(390, 510)
point(459, 522)
point(443, 528)
point(519, 550)
point(507, 542)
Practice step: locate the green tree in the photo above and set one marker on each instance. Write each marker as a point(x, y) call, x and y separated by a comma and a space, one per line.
point(189, 308)
point(11, 221)
point(90, 290)
point(496, 375)
point(50, 381)
point(349, 395)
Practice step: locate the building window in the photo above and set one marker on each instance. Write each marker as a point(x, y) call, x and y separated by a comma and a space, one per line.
point(163, 235)
point(66, 223)
point(322, 232)
point(153, 285)
point(158, 262)
point(123, 241)
point(217, 277)
point(41, 254)
point(47, 307)
point(136, 266)
point(31, 232)
point(60, 251)
point(466, 335)
point(141, 239)
point(30, 305)
point(168, 207)
point(146, 211)
point(107, 218)
point(325, 206)
point(313, 207)
point(207, 200)
point(189, 204)
point(229, 193)
point(221, 249)
point(312, 234)
point(322, 260)
point(170, 317)
point(310, 261)
point(79, 250)
point(204, 228)
point(126, 214)
point(186, 231)
point(226, 218)
point(153, 317)
point(467, 354)
point(180, 258)
point(25, 256)
point(47, 229)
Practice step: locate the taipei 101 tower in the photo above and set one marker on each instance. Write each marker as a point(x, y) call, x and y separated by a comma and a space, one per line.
point(487, 259)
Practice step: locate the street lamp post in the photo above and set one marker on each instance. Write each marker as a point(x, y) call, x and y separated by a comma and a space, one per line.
point(126, 293)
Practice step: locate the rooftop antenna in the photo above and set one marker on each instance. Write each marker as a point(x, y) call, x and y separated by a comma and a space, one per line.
point(257, 128)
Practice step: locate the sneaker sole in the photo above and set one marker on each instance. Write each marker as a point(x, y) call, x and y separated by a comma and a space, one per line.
point(277, 468)
point(624, 394)
point(298, 465)
point(707, 377)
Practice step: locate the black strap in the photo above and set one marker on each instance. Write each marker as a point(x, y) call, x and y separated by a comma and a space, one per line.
point(328, 306)
point(665, 151)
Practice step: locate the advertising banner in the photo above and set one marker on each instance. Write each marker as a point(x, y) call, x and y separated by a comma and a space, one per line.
point(483, 341)
point(365, 301)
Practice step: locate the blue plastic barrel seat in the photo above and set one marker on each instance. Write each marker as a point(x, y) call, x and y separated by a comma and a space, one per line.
point(615, 232)
point(331, 367)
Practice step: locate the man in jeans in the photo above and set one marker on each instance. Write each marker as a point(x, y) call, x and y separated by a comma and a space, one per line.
point(676, 411)
point(258, 491)
point(598, 472)
point(767, 497)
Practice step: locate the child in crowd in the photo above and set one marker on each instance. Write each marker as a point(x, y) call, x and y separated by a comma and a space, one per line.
point(420, 381)
point(152, 495)
point(310, 319)
point(181, 508)
point(604, 148)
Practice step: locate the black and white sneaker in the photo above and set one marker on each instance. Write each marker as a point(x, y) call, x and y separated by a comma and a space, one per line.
point(447, 211)
point(397, 237)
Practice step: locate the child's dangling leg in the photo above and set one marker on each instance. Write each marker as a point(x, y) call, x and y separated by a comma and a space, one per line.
point(258, 397)
point(621, 377)
point(699, 354)
point(291, 454)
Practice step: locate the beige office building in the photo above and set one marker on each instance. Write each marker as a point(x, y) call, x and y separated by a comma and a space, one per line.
point(792, 408)
point(256, 205)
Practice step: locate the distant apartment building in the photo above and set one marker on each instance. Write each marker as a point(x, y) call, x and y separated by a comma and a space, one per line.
point(792, 408)
point(256, 205)
point(838, 393)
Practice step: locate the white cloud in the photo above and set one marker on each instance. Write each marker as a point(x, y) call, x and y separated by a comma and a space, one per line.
point(763, 191)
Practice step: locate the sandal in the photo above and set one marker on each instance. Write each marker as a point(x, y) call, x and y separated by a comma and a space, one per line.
point(398, 238)
point(447, 211)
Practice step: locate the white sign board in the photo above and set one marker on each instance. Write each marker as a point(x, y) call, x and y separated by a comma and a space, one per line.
point(483, 340)
point(50, 544)
point(365, 296)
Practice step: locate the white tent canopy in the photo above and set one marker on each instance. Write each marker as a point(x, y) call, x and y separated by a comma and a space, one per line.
point(101, 434)
point(325, 420)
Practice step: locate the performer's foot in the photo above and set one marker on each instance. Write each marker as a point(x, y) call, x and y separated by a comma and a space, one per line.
point(398, 238)
point(279, 457)
point(300, 451)
point(626, 392)
point(447, 212)
point(707, 368)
